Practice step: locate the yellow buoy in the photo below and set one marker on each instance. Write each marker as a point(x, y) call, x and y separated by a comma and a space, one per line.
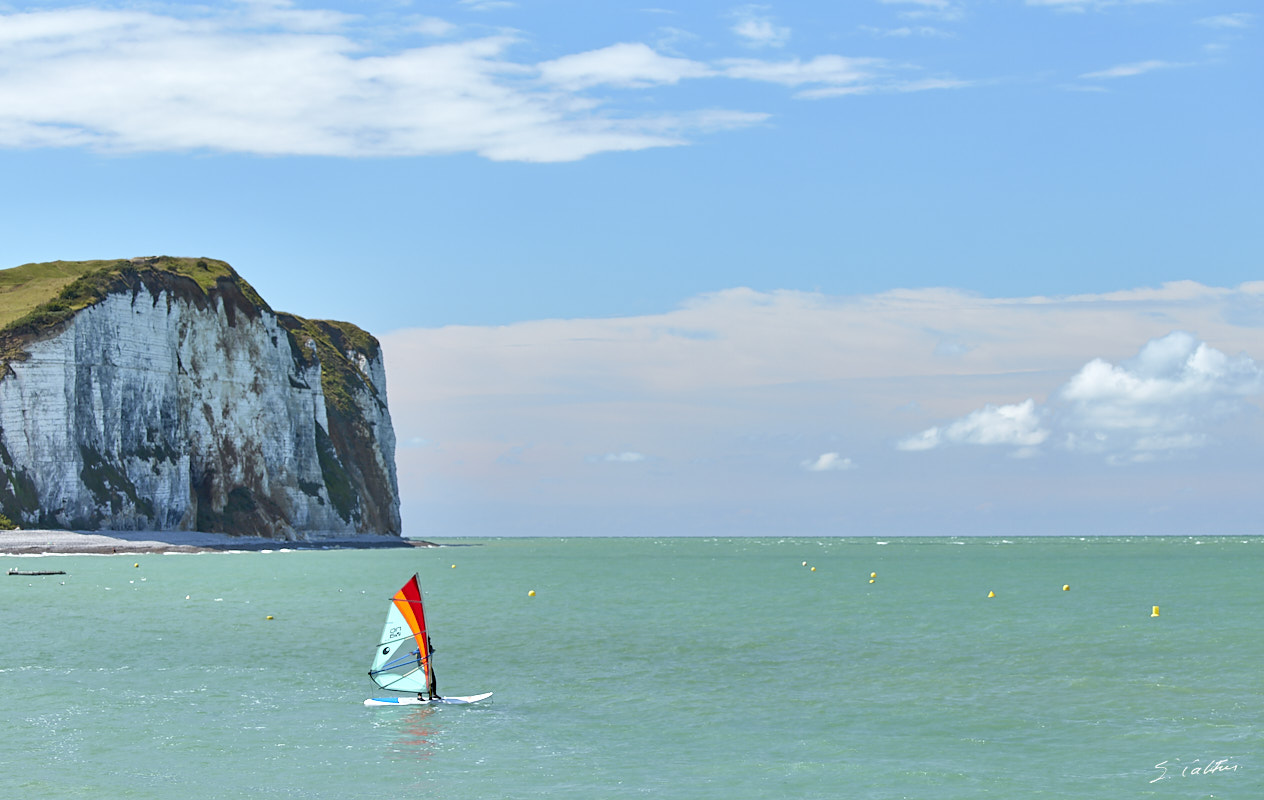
point(1066, 587)
point(871, 580)
point(873, 574)
point(814, 569)
point(991, 594)
point(454, 566)
point(136, 565)
point(531, 593)
point(268, 617)
point(1155, 612)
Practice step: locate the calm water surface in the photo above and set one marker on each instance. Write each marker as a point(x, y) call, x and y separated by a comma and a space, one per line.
point(671, 668)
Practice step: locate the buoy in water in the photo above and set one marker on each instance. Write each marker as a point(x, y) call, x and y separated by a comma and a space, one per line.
point(1066, 587)
point(991, 594)
point(531, 593)
point(873, 574)
point(454, 566)
point(871, 580)
point(805, 563)
point(1155, 612)
point(814, 569)
point(136, 565)
point(268, 617)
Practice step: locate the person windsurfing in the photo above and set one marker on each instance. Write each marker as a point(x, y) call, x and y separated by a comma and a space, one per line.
point(433, 685)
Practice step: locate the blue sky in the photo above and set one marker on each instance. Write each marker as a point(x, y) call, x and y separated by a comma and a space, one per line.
point(872, 267)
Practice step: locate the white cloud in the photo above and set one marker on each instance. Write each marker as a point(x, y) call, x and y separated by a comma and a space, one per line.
point(1065, 5)
point(487, 5)
point(1173, 384)
point(272, 79)
point(433, 26)
point(283, 14)
point(756, 28)
point(833, 70)
point(929, 9)
point(906, 31)
point(930, 84)
point(629, 65)
point(1018, 425)
point(832, 76)
point(670, 40)
point(1133, 69)
point(828, 462)
point(1155, 403)
point(1081, 6)
point(1241, 19)
point(627, 457)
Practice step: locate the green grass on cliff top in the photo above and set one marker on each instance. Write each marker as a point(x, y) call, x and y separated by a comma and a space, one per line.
point(38, 297)
point(26, 288)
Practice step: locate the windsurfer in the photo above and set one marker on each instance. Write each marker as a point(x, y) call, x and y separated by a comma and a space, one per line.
point(434, 684)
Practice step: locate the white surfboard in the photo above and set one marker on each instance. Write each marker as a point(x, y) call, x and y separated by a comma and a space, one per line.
point(416, 701)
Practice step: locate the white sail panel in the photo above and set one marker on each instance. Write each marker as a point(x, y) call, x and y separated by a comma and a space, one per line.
point(397, 663)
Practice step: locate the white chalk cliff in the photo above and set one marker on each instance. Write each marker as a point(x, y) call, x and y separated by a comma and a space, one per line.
point(166, 405)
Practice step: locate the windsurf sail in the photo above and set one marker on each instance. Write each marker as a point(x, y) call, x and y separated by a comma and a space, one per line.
point(402, 661)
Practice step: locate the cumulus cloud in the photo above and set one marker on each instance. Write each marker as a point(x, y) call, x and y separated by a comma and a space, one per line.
point(828, 462)
point(269, 78)
point(1157, 402)
point(1017, 424)
point(1174, 383)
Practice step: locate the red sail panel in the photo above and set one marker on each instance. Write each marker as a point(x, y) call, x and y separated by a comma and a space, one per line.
point(408, 601)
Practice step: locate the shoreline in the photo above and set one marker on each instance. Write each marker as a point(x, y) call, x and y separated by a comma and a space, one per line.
point(55, 542)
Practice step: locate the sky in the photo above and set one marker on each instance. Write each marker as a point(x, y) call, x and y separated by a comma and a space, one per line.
point(867, 268)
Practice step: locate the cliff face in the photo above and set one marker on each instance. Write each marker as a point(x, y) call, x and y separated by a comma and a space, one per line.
point(150, 396)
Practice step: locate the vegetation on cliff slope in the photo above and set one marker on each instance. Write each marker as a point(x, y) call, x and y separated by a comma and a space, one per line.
point(346, 449)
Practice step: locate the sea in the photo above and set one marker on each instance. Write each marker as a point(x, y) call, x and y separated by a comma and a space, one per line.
point(729, 668)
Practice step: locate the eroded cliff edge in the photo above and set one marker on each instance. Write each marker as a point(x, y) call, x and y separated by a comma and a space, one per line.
point(165, 394)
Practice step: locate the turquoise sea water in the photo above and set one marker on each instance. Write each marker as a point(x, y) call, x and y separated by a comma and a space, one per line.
point(663, 668)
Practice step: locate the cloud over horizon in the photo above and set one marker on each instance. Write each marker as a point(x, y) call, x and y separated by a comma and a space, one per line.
point(1154, 404)
point(731, 387)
